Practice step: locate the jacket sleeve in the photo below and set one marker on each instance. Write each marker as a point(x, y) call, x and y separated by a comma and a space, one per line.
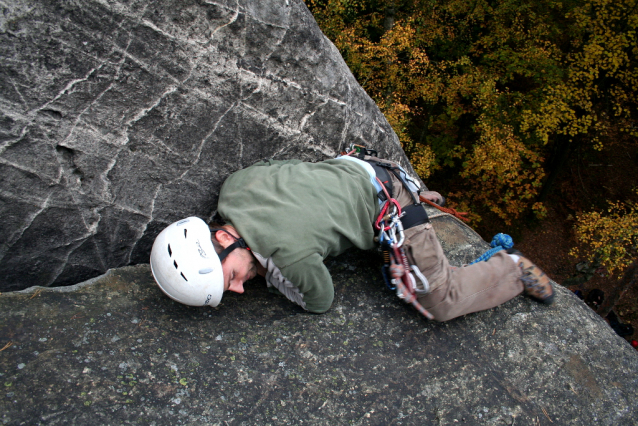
point(313, 280)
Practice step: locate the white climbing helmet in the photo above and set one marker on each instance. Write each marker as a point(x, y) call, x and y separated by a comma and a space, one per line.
point(185, 265)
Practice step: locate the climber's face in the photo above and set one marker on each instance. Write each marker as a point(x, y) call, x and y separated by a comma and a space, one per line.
point(239, 266)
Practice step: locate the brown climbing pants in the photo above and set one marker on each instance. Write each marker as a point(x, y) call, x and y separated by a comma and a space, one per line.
point(456, 291)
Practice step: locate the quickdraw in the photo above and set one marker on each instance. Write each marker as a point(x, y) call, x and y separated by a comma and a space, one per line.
point(396, 268)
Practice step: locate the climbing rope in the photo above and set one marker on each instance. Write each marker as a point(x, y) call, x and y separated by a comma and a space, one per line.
point(499, 242)
point(453, 212)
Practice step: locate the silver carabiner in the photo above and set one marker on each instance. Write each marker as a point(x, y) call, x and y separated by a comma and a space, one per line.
point(399, 228)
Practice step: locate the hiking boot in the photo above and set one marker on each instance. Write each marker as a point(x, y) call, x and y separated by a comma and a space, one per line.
point(537, 284)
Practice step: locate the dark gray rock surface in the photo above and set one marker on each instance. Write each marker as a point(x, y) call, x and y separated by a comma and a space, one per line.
point(120, 117)
point(116, 351)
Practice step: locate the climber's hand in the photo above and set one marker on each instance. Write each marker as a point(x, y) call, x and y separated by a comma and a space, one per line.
point(434, 196)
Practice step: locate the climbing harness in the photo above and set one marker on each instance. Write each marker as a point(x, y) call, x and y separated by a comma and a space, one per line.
point(381, 169)
point(391, 224)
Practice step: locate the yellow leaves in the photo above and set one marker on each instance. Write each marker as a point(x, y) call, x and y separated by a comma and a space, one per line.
point(397, 115)
point(601, 66)
point(539, 209)
point(610, 237)
point(422, 158)
point(507, 173)
point(393, 64)
point(486, 85)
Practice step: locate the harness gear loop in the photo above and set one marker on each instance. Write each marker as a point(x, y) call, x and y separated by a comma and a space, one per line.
point(406, 289)
point(390, 223)
point(395, 263)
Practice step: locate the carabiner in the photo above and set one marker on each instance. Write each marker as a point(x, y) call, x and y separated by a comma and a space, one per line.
point(399, 229)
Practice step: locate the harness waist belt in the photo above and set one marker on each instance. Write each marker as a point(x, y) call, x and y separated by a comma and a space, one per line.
point(415, 215)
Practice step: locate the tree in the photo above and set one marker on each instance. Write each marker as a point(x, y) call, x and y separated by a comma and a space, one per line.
point(611, 238)
point(495, 91)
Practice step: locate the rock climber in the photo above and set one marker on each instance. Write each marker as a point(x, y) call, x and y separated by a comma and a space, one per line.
point(283, 218)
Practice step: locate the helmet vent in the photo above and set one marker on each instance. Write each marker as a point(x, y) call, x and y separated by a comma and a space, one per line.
point(182, 274)
point(175, 263)
point(170, 252)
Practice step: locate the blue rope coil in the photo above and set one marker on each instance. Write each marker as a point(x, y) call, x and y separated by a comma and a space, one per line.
point(499, 242)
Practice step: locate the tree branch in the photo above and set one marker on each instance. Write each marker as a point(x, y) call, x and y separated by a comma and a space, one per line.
point(629, 278)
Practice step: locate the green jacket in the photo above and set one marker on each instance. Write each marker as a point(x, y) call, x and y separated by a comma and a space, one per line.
point(294, 214)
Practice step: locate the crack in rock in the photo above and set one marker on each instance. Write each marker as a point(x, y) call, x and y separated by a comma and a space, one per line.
point(135, 103)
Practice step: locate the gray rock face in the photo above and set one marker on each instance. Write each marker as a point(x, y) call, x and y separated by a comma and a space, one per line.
point(117, 351)
point(119, 117)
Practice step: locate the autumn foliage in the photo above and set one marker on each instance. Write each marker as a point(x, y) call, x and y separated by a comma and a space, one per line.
point(609, 237)
point(494, 92)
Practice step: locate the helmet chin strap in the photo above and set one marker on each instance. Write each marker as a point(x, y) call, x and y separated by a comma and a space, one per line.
point(239, 243)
